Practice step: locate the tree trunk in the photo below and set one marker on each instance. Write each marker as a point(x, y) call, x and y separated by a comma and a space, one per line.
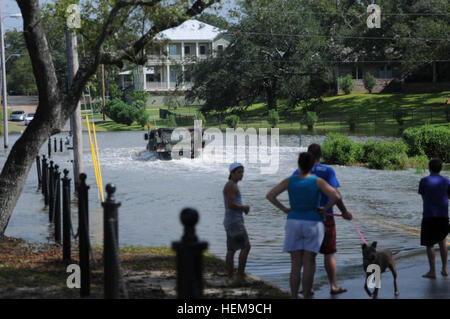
point(271, 93)
point(50, 116)
point(54, 108)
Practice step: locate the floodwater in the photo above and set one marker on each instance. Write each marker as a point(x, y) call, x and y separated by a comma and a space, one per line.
point(385, 204)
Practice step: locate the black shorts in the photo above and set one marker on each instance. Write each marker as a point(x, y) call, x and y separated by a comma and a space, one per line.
point(433, 230)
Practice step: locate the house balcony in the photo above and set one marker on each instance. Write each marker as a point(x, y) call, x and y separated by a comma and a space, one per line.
point(164, 86)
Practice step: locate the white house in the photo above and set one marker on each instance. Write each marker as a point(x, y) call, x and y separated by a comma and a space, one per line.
point(190, 41)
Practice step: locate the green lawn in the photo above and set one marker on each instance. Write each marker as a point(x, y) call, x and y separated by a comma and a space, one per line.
point(373, 114)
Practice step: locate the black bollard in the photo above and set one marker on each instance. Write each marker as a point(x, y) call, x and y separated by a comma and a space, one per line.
point(60, 145)
point(111, 245)
point(49, 145)
point(83, 236)
point(189, 258)
point(54, 145)
point(66, 217)
point(51, 187)
point(45, 179)
point(38, 167)
point(57, 207)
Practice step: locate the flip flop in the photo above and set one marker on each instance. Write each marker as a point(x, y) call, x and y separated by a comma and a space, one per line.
point(444, 274)
point(339, 291)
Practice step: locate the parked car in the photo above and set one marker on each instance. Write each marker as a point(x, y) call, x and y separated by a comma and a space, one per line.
point(17, 116)
point(28, 118)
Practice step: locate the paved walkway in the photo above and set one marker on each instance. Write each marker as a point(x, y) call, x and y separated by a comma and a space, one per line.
point(410, 282)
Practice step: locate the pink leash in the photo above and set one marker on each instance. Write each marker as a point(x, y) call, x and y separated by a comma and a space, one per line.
point(357, 229)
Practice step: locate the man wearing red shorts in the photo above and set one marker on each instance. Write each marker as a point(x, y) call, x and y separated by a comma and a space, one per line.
point(328, 248)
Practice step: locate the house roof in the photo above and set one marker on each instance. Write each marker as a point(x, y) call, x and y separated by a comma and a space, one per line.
point(190, 30)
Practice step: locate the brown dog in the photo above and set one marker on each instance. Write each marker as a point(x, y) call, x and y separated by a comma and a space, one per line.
point(382, 258)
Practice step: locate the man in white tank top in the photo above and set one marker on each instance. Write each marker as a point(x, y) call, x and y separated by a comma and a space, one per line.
point(237, 237)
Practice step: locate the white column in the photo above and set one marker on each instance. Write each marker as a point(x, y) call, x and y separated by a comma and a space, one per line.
point(197, 53)
point(168, 76)
point(182, 73)
point(145, 80)
point(160, 77)
point(182, 50)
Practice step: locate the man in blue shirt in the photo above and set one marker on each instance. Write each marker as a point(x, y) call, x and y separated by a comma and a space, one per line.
point(435, 191)
point(328, 248)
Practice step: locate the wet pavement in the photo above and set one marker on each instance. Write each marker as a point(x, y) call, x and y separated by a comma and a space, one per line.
point(411, 285)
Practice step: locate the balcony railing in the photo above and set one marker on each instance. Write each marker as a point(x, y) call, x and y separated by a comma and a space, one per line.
point(162, 86)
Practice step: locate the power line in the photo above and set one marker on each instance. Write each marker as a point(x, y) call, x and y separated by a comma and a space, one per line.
point(337, 36)
point(330, 61)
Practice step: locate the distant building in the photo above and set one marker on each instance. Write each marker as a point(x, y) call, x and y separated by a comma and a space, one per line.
point(432, 77)
point(189, 42)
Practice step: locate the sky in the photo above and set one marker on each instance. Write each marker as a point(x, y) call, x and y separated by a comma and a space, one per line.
point(10, 7)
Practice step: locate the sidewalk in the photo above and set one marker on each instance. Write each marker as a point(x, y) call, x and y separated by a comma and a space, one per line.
point(410, 282)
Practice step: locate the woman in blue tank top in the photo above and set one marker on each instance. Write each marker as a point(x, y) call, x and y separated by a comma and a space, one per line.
point(304, 225)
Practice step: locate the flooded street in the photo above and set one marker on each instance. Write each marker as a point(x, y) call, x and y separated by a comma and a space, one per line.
point(385, 204)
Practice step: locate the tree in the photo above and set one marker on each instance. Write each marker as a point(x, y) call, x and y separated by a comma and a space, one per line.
point(263, 58)
point(104, 23)
point(369, 81)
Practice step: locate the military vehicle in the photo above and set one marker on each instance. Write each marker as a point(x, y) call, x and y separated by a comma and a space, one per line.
point(160, 140)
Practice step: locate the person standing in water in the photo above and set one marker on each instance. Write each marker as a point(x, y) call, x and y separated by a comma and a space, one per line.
point(435, 191)
point(237, 237)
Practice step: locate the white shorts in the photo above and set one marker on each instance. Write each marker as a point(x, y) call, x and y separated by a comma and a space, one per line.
point(303, 235)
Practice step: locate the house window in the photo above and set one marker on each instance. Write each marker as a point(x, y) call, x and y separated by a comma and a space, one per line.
point(173, 49)
point(173, 75)
point(220, 47)
point(357, 73)
point(203, 49)
point(187, 50)
point(385, 73)
point(153, 77)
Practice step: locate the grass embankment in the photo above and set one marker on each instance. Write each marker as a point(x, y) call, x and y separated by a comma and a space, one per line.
point(36, 270)
point(373, 114)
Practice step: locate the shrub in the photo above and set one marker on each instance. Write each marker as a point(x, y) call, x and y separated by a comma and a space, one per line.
point(121, 112)
point(273, 118)
point(368, 148)
point(173, 103)
point(388, 155)
point(346, 83)
point(142, 117)
point(369, 81)
point(310, 118)
point(137, 98)
point(338, 149)
point(199, 116)
point(232, 121)
point(114, 91)
point(428, 140)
